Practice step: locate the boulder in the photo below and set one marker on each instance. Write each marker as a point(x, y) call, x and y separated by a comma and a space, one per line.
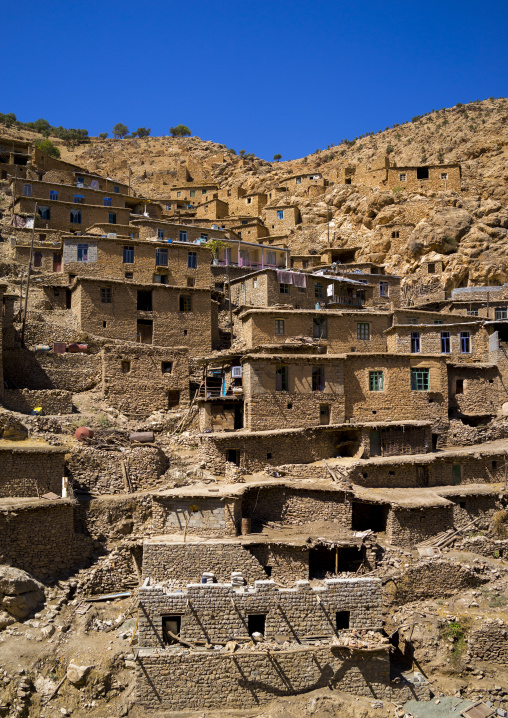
point(11, 428)
point(14, 581)
point(6, 620)
point(20, 593)
point(77, 674)
point(23, 604)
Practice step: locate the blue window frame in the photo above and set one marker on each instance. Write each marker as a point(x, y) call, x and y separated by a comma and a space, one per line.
point(445, 343)
point(75, 216)
point(44, 212)
point(116, 190)
point(160, 234)
point(192, 260)
point(79, 199)
point(465, 343)
point(128, 255)
point(27, 190)
point(183, 236)
point(112, 217)
point(415, 342)
point(82, 252)
point(108, 202)
point(161, 257)
point(53, 194)
point(280, 214)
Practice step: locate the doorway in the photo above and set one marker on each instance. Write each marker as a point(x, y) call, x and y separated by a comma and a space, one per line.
point(238, 421)
point(144, 331)
point(256, 623)
point(375, 443)
point(233, 456)
point(324, 414)
point(171, 625)
point(57, 262)
point(369, 516)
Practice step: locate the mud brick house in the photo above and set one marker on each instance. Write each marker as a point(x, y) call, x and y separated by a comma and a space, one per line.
point(176, 232)
point(385, 288)
point(47, 248)
point(253, 450)
point(281, 218)
point(139, 260)
point(463, 341)
point(148, 313)
point(15, 158)
point(193, 193)
point(249, 229)
point(268, 287)
point(252, 678)
point(248, 205)
point(251, 255)
point(213, 209)
point(341, 331)
point(304, 181)
point(305, 261)
point(428, 177)
point(138, 380)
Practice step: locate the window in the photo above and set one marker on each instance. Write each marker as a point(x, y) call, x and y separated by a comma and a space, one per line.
point(282, 378)
point(79, 199)
point(279, 326)
point(183, 235)
point(185, 303)
point(82, 252)
point(167, 367)
point(203, 191)
point(80, 181)
point(128, 255)
point(376, 381)
point(465, 343)
point(126, 366)
point(402, 177)
point(256, 624)
point(431, 268)
point(298, 180)
point(422, 173)
point(472, 312)
point(129, 275)
point(383, 289)
point(168, 206)
point(318, 290)
point(284, 288)
point(116, 190)
point(445, 342)
point(192, 260)
point(106, 295)
point(363, 330)
point(108, 202)
point(144, 303)
point(249, 200)
point(191, 281)
point(500, 313)
point(318, 378)
point(170, 627)
point(161, 257)
point(342, 620)
point(319, 328)
point(415, 342)
point(112, 218)
point(255, 283)
point(178, 194)
point(459, 386)
point(193, 193)
point(444, 175)
point(75, 216)
point(37, 259)
point(44, 212)
point(395, 234)
point(438, 321)
point(280, 214)
point(419, 379)
point(53, 194)
point(27, 190)
point(203, 236)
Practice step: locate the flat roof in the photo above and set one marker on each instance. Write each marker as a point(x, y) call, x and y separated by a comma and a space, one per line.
point(229, 436)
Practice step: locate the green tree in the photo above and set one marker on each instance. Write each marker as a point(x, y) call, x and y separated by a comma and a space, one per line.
point(120, 130)
point(142, 132)
point(277, 158)
point(179, 131)
point(103, 135)
point(48, 148)
point(9, 119)
point(241, 153)
point(41, 126)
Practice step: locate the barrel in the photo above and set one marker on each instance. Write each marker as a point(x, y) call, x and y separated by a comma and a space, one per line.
point(83, 432)
point(73, 348)
point(41, 348)
point(246, 526)
point(83, 348)
point(142, 437)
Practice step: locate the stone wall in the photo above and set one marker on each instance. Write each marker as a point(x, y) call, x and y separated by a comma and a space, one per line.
point(110, 519)
point(97, 471)
point(217, 612)
point(480, 390)
point(284, 563)
point(488, 642)
point(138, 379)
point(31, 471)
point(52, 401)
point(68, 372)
point(407, 527)
point(181, 563)
point(293, 507)
point(166, 680)
point(38, 536)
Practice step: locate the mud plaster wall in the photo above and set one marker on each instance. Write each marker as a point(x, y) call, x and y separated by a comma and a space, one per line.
point(214, 517)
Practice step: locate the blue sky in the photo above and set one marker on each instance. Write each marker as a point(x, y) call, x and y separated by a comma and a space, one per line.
point(267, 76)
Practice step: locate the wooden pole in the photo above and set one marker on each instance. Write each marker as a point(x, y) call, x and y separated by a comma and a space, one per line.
point(28, 279)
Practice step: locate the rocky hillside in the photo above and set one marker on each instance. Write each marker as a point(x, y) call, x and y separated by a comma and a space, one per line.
point(467, 229)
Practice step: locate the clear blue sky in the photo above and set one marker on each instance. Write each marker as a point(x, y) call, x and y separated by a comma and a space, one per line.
point(266, 76)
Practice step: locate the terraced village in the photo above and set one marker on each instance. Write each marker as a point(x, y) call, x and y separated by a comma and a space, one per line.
point(254, 425)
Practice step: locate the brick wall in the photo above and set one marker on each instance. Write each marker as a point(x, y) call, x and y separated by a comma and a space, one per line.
point(487, 642)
